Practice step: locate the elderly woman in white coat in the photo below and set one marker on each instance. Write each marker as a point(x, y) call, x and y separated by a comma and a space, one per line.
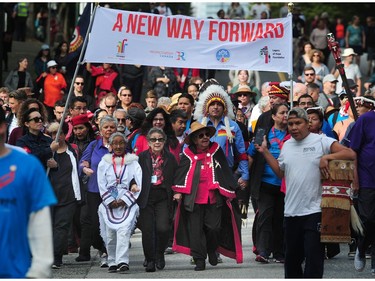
point(119, 180)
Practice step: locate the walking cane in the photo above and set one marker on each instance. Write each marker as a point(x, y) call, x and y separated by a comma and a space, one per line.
point(336, 52)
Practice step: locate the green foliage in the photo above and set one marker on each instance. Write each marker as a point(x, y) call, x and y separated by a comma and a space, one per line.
point(177, 8)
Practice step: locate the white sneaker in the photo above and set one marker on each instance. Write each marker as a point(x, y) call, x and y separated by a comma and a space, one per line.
point(104, 260)
point(359, 263)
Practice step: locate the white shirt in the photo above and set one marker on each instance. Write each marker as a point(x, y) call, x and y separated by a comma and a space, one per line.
point(300, 161)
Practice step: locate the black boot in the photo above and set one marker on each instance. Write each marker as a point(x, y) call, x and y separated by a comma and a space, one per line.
point(200, 264)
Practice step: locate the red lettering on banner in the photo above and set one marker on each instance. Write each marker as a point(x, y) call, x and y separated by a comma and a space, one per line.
point(223, 31)
point(259, 31)
point(247, 31)
point(212, 30)
point(141, 24)
point(118, 25)
point(269, 30)
point(132, 23)
point(154, 25)
point(186, 30)
point(173, 27)
point(198, 28)
point(234, 35)
point(279, 30)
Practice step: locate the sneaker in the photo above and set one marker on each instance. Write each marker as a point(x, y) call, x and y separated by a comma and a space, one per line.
point(359, 262)
point(160, 263)
point(56, 266)
point(219, 259)
point(150, 266)
point(122, 267)
point(200, 265)
point(112, 269)
point(168, 251)
point(261, 259)
point(104, 260)
point(279, 260)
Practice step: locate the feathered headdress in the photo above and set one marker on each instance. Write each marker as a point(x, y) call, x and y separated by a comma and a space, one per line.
point(214, 93)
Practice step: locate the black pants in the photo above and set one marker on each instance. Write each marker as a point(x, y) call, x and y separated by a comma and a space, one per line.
point(154, 223)
point(302, 243)
point(366, 206)
point(269, 228)
point(62, 217)
point(204, 228)
point(90, 231)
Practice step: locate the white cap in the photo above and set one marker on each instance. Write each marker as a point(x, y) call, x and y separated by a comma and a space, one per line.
point(51, 63)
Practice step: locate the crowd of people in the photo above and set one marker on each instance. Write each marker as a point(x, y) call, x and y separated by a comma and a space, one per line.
point(183, 165)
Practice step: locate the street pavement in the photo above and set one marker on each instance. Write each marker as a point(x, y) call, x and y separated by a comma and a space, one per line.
point(178, 265)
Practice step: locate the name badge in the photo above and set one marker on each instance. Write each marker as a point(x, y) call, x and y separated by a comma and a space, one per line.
point(154, 179)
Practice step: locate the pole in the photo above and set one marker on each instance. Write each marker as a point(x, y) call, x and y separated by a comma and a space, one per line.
point(336, 52)
point(75, 74)
point(290, 15)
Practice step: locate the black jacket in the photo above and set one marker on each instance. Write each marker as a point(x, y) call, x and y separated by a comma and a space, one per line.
point(169, 168)
point(38, 145)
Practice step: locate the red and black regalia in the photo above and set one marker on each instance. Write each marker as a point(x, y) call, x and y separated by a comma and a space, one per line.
point(217, 179)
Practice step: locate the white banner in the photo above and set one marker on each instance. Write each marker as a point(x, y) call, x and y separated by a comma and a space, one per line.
point(123, 37)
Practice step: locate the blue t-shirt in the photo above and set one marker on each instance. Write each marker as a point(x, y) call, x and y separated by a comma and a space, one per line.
point(24, 189)
point(275, 138)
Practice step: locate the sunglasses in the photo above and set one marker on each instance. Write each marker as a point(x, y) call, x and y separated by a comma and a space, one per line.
point(309, 74)
point(79, 83)
point(342, 97)
point(110, 106)
point(202, 135)
point(121, 119)
point(36, 119)
point(242, 95)
point(157, 140)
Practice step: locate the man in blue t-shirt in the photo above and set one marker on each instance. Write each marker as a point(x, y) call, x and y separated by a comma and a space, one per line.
point(25, 222)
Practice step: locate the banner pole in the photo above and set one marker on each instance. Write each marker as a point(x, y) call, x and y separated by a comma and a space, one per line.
point(290, 16)
point(75, 75)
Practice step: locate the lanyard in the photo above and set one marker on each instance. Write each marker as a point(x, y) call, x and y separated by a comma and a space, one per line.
point(119, 176)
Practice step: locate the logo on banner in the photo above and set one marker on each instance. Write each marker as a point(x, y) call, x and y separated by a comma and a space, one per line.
point(121, 46)
point(223, 55)
point(180, 55)
point(264, 53)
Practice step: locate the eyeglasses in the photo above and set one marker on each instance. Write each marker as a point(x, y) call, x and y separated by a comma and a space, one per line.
point(79, 83)
point(80, 108)
point(36, 119)
point(157, 140)
point(121, 119)
point(110, 106)
point(309, 74)
point(202, 135)
point(306, 103)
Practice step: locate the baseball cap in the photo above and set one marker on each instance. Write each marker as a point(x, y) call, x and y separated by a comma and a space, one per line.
point(351, 84)
point(45, 47)
point(329, 78)
point(299, 112)
point(51, 63)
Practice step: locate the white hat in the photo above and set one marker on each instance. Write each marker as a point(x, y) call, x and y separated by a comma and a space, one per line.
point(51, 63)
point(329, 78)
point(347, 52)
